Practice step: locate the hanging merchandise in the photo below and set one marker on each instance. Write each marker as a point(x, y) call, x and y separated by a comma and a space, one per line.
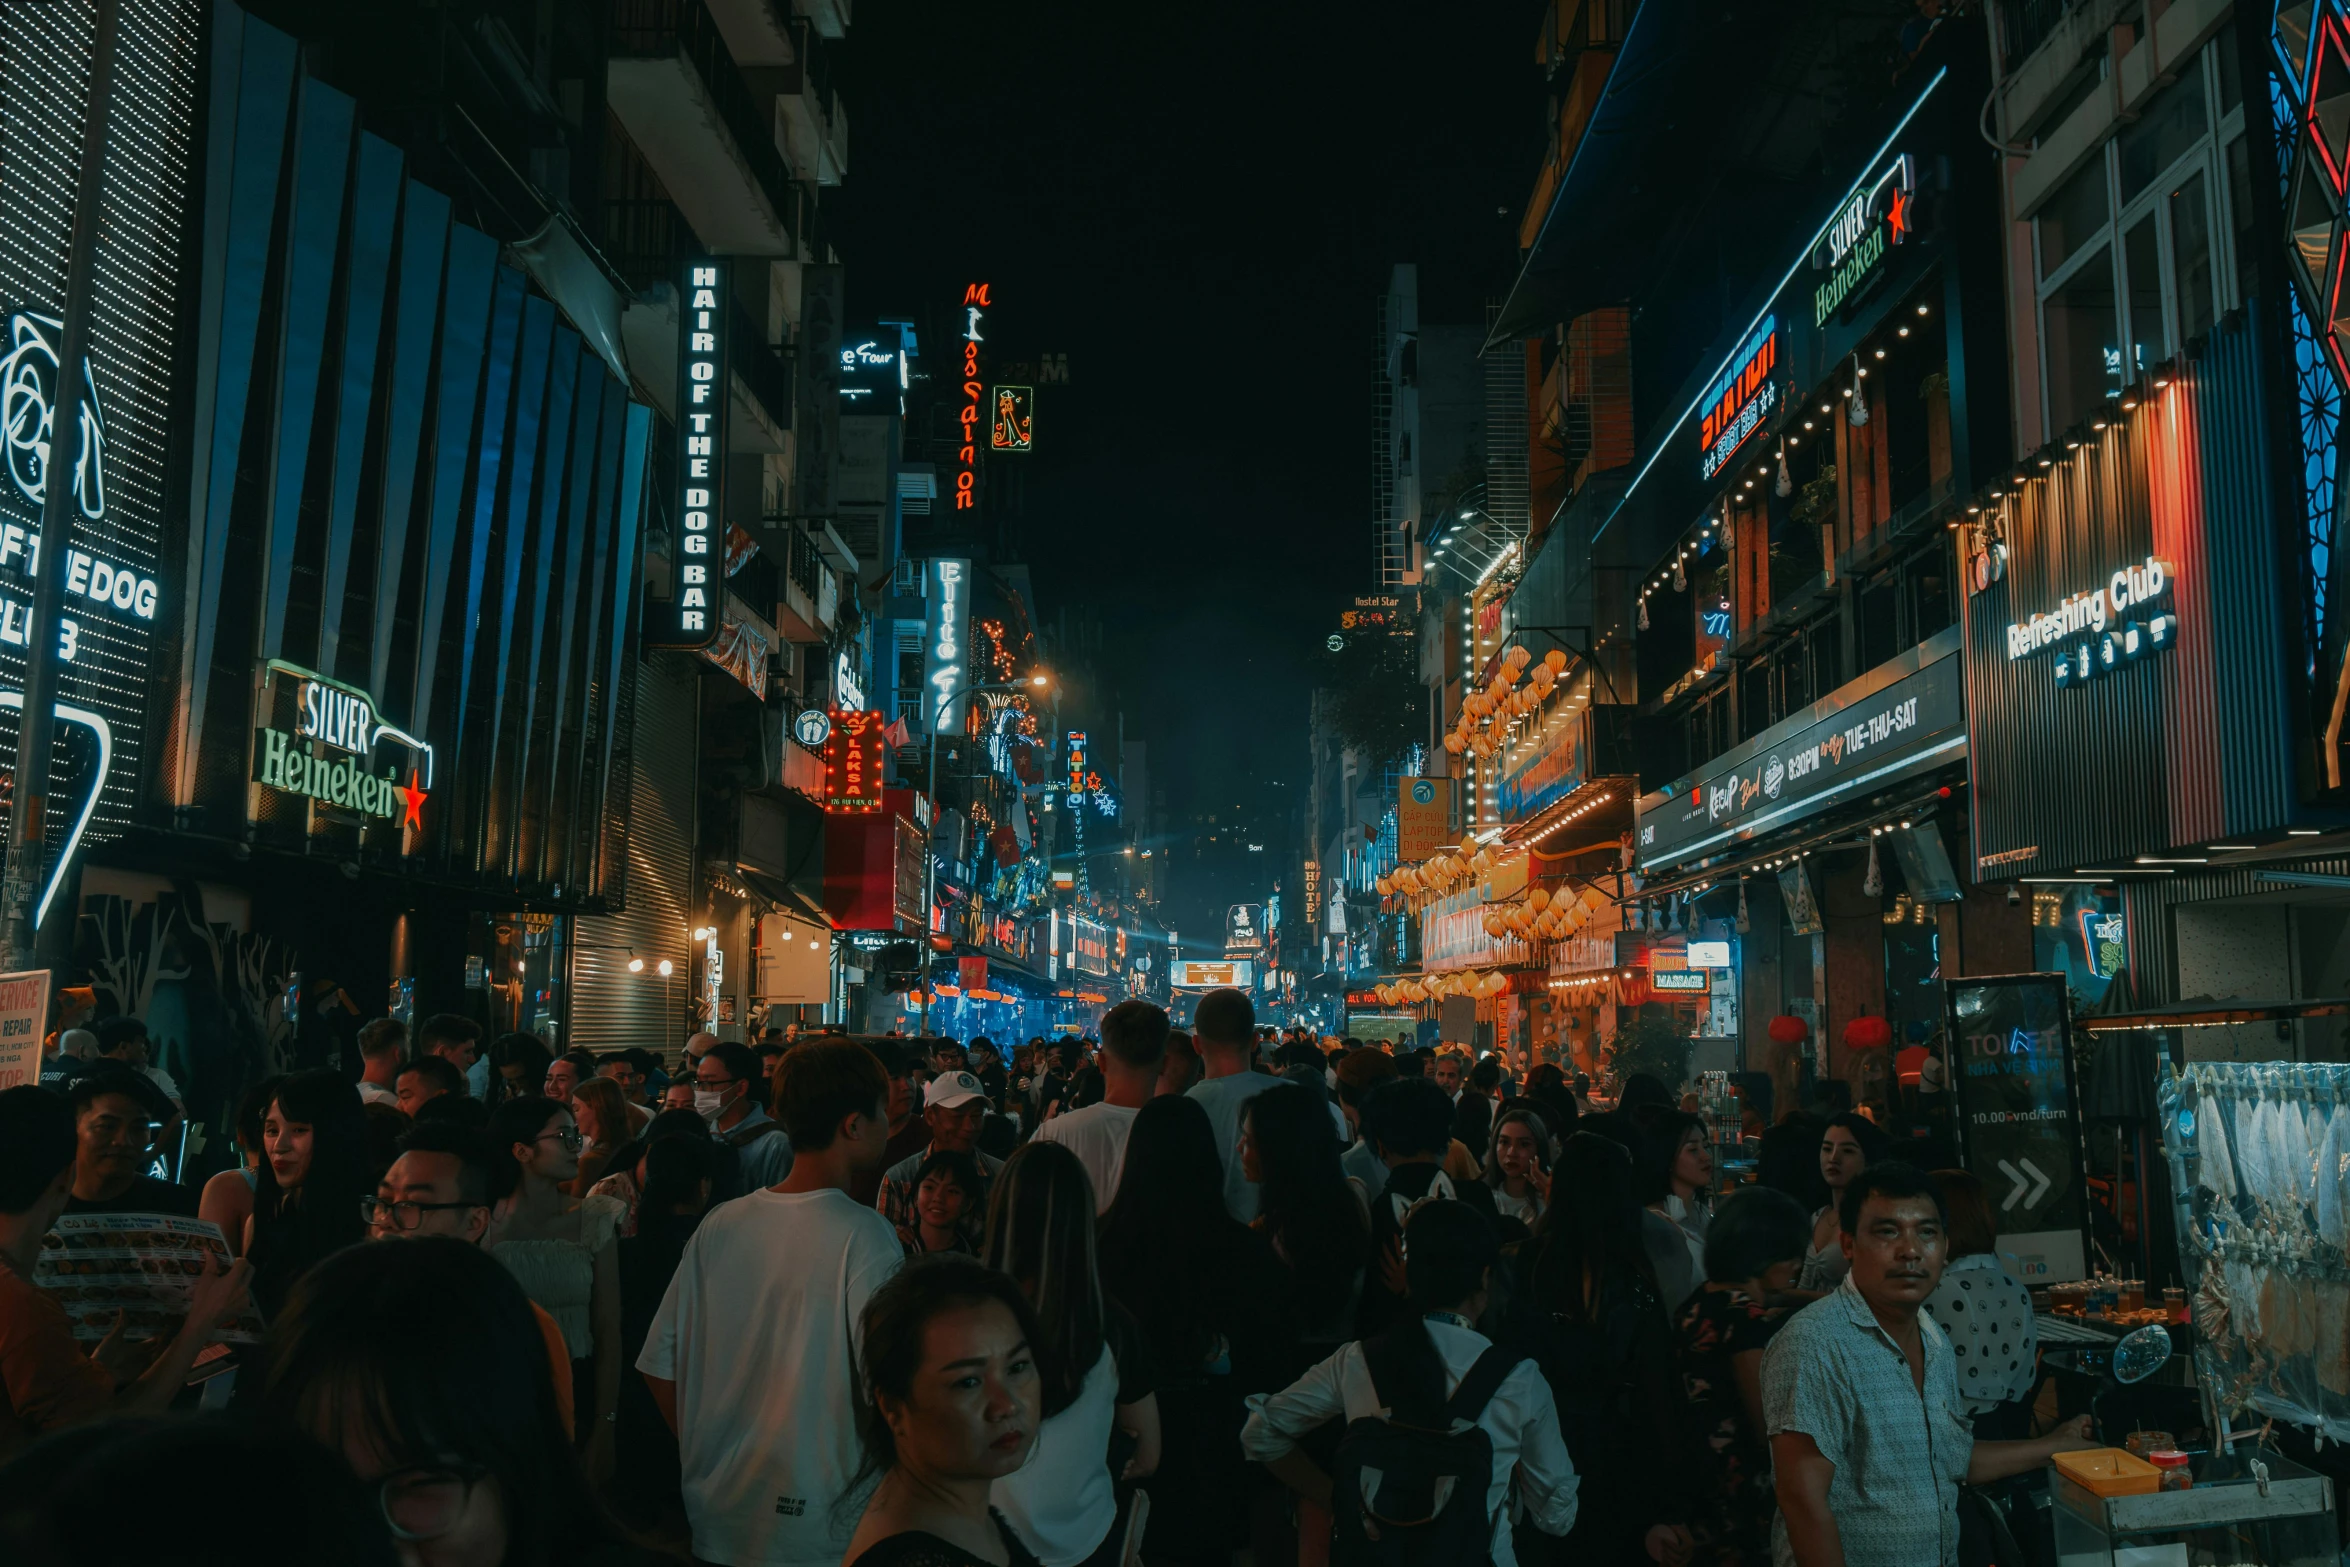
point(1858, 414)
point(1680, 577)
point(1644, 612)
point(1744, 924)
point(1786, 483)
point(1873, 884)
point(2259, 1156)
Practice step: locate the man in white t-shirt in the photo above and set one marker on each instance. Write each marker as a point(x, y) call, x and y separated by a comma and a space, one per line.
point(751, 1358)
point(383, 1048)
point(1225, 1028)
point(1134, 1044)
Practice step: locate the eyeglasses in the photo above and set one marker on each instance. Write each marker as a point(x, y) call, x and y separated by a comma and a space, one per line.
point(405, 1215)
point(426, 1502)
point(568, 1136)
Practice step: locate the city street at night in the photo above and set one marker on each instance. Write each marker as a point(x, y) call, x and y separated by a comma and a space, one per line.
point(1533, 783)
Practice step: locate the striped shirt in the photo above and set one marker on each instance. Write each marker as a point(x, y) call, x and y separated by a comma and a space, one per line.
point(1835, 1375)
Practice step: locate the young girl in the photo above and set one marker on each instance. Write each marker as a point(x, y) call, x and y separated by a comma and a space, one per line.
point(1517, 1166)
point(946, 1187)
point(312, 1175)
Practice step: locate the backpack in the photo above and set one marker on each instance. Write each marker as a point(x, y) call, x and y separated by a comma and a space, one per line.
point(1408, 1490)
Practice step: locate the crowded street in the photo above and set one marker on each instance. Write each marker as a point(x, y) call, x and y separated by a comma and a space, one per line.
point(1533, 783)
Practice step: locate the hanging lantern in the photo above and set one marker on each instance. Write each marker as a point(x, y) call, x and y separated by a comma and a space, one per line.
point(1453, 743)
point(1384, 886)
point(1543, 676)
point(1868, 1033)
point(1557, 662)
point(1518, 657)
point(1787, 1029)
point(1482, 860)
point(1539, 899)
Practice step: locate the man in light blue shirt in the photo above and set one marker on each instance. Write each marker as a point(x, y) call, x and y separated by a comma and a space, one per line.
point(1225, 1028)
point(1869, 1437)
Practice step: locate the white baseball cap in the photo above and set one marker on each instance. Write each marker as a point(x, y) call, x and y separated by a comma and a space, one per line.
point(950, 1089)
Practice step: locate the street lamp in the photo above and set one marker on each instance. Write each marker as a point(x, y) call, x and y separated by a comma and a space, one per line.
point(938, 717)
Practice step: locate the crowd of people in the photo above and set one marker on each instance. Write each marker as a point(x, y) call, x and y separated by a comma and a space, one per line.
point(1184, 1298)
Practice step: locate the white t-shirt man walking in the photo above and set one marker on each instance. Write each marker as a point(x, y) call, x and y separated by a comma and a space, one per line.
point(1134, 1045)
point(751, 1357)
point(1224, 1026)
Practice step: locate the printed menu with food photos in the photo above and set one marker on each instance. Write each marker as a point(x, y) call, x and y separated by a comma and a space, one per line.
point(141, 1265)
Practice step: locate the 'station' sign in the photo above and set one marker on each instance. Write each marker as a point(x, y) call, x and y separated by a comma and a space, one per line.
point(2011, 1067)
point(328, 743)
point(1818, 756)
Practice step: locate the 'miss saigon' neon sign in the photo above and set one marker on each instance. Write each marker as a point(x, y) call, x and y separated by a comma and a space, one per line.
point(1741, 400)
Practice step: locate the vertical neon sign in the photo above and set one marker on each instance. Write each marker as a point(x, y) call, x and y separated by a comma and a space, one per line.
point(701, 450)
point(975, 307)
point(945, 660)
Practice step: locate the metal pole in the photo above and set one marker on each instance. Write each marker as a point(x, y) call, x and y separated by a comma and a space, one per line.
point(37, 726)
point(930, 867)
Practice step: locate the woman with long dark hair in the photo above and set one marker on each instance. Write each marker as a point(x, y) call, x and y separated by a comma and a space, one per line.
point(1849, 1144)
point(312, 1176)
point(422, 1364)
point(1587, 1304)
point(1410, 1372)
point(951, 1407)
point(561, 1250)
point(1319, 1233)
point(1517, 1162)
point(604, 1126)
point(1676, 1170)
point(228, 1197)
point(679, 1174)
point(1198, 1279)
point(1065, 1503)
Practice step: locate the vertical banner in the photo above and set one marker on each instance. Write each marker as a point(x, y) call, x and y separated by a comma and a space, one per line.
point(2019, 1121)
point(1423, 817)
point(945, 658)
point(690, 618)
point(24, 1020)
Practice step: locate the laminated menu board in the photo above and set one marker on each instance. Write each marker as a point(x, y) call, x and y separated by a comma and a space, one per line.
point(2019, 1122)
point(142, 1265)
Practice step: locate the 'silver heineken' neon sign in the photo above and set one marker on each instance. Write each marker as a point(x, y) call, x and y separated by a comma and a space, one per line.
point(335, 748)
point(1879, 216)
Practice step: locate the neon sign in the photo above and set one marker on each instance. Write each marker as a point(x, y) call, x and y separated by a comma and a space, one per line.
point(325, 741)
point(1740, 400)
point(945, 654)
point(2104, 616)
point(1876, 217)
point(1076, 761)
point(701, 436)
point(1014, 426)
point(975, 305)
point(852, 762)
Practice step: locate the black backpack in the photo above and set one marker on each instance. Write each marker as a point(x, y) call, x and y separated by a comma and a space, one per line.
point(1409, 1490)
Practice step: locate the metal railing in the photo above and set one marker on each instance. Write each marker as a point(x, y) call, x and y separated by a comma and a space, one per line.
point(2023, 24)
point(648, 29)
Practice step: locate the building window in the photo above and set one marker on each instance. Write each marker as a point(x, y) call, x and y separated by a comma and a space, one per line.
point(2128, 271)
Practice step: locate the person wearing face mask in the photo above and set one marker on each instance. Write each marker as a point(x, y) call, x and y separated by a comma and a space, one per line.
point(724, 1082)
point(951, 1404)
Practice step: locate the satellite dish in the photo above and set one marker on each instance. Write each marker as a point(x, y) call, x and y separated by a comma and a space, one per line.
point(2142, 1353)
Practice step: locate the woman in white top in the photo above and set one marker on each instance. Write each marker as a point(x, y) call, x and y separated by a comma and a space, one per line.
point(1850, 1145)
point(1980, 1306)
point(1452, 1250)
point(562, 1251)
point(1063, 1503)
point(1517, 1164)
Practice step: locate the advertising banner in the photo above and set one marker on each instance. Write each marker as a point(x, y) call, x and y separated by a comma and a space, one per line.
point(1423, 817)
point(1244, 927)
point(2019, 1118)
point(1211, 976)
point(24, 1020)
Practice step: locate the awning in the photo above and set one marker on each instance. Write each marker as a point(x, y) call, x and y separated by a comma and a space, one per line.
point(781, 894)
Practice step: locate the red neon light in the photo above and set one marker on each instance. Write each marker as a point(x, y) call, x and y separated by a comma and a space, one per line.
point(852, 763)
point(976, 297)
point(2329, 37)
point(1744, 385)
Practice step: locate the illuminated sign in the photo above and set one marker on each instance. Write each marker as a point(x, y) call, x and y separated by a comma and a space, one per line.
point(1013, 429)
point(1244, 927)
point(1881, 215)
point(1678, 979)
point(811, 728)
point(1090, 942)
point(1741, 399)
point(1709, 954)
point(701, 452)
point(852, 763)
point(946, 634)
point(847, 690)
point(1211, 976)
point(327, 742)
point(2109, 619)
point(873, 370)
point(1076, 761)
point(975, 306)
point(1313, 892)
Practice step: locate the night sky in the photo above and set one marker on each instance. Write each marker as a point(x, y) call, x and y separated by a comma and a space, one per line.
point(1199, 205)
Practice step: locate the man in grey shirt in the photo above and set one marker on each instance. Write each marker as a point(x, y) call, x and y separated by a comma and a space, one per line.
point(1869, 1437)
point(1225, 1026)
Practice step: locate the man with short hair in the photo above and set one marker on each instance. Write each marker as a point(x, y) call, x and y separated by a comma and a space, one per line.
point(955, 1112)
point(947, 1055)
point(696, 1047)
point(622, 1069)
point(1870, 1439)
point(1472, 1108)
point(1224, 1026)
point(726, 1081)
point(383, 1045)
point(427, 1078)
point(1134, 1045)
point(1179, 1069)
point(1445, 1071)
point(565, 1073)
point(115, 1116)
point(46, 1381)
point(987, 1064)
point(458, 1041)
point(1358, 1076)
point(440, 1186)
point(752, 1356)
point(1408, 1123)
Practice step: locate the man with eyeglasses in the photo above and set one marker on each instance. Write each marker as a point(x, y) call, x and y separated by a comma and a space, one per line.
point(723, 1082)
point(440, 1185)
point(116, 1112)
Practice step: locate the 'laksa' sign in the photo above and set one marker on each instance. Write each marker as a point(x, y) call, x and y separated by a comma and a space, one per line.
point(328, 743)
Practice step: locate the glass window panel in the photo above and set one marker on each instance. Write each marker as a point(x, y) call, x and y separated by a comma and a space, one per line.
point(2231, 70)
point(2074, 217)
point(2141, 260)
point(2190, 257)
point(2239, 157)
point(2082, 341)
point(2164, 134)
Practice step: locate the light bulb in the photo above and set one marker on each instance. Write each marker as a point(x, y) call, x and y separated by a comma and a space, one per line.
point(667, 968)
point(636, 965)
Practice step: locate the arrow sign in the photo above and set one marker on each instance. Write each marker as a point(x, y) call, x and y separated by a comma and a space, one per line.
point(2031, 1184)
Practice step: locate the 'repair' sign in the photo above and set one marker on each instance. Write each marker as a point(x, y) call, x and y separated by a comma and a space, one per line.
point(327, 742)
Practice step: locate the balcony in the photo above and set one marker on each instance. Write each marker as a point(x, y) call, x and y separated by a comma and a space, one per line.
point(676, 88)
point(810, 602)
point(810, 121)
